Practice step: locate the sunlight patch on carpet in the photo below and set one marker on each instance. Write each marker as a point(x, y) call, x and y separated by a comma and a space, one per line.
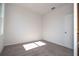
point(33, 45)
point(40, 43)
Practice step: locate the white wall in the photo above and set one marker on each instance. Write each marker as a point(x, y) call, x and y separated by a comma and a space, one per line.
point(21, 25)
point(53, 25)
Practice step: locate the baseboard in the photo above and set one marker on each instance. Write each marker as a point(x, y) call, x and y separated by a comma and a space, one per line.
point(58, 44)
point(22, 42)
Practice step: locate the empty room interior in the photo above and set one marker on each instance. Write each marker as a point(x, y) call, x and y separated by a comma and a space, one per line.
point(36, 29)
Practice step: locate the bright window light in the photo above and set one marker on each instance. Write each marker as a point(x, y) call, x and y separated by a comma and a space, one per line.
point(33, 45)
point(40, 43)
point(29, 46)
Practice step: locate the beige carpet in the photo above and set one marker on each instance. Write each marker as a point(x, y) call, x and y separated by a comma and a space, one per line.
point(50, 49)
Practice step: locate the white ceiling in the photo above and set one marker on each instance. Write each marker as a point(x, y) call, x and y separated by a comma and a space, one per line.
point(40, 8)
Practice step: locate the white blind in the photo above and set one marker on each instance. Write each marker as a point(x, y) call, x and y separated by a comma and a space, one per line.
point(0, 10)
point(1, 19)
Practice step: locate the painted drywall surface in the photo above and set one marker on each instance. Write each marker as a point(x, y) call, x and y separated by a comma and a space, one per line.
point(21, 25)
point(53, 25)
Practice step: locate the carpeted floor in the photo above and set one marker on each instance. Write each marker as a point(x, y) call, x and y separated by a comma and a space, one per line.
point(50, 49)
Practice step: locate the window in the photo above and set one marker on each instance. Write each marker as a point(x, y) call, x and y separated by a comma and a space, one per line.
point(1, 18)
point(0, 25)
